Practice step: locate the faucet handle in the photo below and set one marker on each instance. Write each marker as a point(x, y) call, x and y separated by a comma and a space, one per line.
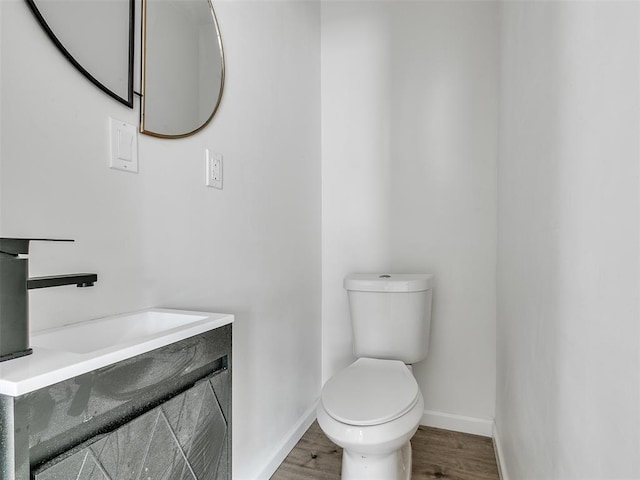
point(20, 246)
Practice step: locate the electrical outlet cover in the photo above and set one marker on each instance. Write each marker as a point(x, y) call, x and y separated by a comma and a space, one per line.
point(214, 169)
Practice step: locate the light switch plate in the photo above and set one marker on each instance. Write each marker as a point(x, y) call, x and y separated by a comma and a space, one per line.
point(124, 146)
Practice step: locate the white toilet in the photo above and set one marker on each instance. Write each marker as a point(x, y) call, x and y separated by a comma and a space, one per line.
point(373, 407)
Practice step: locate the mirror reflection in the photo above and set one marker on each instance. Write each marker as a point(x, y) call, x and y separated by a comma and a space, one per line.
point(183, 67)
point(96, 37)
point(181, 49)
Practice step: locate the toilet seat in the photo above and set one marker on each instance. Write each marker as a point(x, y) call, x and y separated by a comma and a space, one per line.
point(370, 392)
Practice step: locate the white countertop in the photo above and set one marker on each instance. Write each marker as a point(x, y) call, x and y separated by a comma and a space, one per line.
point(66, 352)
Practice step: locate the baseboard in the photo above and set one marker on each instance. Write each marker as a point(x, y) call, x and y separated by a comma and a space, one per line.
point(458, 423)
point(448, 421)
point(497, 447)
point(288, 442)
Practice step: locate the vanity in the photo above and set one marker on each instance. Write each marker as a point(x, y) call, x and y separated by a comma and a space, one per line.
point(141, 396)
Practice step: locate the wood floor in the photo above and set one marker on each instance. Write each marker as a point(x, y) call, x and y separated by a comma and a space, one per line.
point(436, 454)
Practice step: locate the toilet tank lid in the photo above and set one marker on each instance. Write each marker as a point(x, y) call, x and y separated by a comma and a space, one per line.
point(388, 282)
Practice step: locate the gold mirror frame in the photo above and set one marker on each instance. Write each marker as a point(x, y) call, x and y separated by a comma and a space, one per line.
point(144, 72)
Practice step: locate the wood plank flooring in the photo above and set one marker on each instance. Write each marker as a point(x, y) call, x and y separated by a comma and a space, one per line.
point(436, 454)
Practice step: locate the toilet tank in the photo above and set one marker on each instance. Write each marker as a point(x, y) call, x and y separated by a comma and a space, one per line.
point(390, 315)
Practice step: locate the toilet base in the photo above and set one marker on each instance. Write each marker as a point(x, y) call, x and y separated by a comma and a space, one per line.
point(393, 466)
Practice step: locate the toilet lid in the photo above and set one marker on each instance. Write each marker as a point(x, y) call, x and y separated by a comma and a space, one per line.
point(370, 392)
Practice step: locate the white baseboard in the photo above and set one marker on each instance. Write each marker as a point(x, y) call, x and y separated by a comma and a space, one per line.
point(288, 442)
point(458, 423)
point(497, 446)
point(448, 421)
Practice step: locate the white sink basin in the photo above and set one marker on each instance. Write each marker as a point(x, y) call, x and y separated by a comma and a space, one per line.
point(65, 352)
point(108, 332)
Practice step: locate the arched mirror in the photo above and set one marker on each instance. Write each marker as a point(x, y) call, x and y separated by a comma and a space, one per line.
point(182, 67)
point(96, 37)
point(181, 52)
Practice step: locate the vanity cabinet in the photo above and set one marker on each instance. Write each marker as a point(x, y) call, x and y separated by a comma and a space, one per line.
point(162, 415)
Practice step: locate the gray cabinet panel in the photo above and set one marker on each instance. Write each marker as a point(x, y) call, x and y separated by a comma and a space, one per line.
point(81, 465)
point(109, 424)
point(121, 453)
point(185, 438)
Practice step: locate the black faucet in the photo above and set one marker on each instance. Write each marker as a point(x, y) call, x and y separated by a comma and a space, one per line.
point(14, 287)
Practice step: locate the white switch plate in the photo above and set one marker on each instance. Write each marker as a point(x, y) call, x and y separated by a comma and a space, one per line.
point(214, 169)
point(124, 146)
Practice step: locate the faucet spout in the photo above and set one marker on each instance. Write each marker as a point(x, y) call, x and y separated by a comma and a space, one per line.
point(14, 287)
point(78, 279)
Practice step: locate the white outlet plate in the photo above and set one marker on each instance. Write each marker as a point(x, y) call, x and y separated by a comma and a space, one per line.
point(214, 169)
point(124, 146)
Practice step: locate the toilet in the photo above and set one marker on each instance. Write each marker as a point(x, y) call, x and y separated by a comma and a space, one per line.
point(373, 407)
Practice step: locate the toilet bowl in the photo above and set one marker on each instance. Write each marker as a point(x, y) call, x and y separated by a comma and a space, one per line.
point(371, 409)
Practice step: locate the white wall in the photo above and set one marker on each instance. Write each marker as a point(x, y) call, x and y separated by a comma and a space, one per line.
point(409, 153)
point(161, 237)
point(568, 383)
point(252, 249)
point(56, 181)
